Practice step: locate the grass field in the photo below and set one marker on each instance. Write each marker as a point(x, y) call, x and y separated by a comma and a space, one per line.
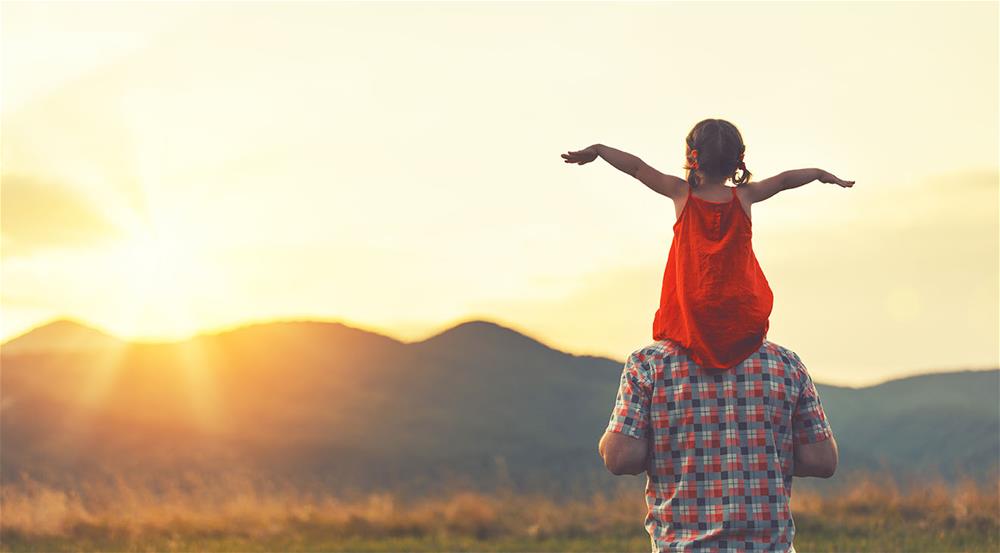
point(870, 516)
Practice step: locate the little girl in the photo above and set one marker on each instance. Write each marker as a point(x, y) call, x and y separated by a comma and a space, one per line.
point(715, 300)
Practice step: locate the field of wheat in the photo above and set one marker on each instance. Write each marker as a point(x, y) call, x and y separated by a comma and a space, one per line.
point(233, 514)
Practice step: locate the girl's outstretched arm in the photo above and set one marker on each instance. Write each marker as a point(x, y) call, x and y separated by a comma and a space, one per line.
point(625, 162)
point(762, 190)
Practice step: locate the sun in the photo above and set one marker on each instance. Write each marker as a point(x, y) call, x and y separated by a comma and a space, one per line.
point(158, 275)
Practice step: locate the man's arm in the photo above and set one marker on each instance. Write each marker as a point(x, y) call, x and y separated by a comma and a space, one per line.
point(814, 447)
point(817, 459)
point(624, 454)
point(624, 446)
point(762, 190)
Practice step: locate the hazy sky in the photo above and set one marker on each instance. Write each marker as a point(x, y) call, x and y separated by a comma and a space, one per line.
point(172, 168)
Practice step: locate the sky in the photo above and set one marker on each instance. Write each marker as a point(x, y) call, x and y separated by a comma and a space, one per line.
point(176, 168)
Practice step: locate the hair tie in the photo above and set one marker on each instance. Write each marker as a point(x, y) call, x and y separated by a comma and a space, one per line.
point(694, 154)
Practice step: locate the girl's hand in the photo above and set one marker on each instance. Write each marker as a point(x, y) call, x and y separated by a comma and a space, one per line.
point(828, 177)
point(580, 157)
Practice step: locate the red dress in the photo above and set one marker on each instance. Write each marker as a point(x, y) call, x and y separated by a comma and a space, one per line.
point(715, 301)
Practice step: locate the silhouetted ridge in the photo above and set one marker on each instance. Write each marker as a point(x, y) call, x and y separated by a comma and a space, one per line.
point(304, 329)
point(60, 334)
point(483, 334)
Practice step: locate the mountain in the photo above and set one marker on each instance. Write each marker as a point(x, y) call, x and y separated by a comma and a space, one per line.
point(61, 335)
point(482, 337)
point(944, 423)
point(326, 404)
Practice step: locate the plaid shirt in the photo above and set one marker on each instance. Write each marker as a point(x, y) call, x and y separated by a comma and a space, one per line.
point(722, 445)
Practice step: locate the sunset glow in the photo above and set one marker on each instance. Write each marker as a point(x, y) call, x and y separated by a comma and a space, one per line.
point(398, 169)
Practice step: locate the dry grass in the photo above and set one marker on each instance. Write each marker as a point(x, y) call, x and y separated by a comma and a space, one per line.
point(234, 507)
point(934, 503)
point(195, 510)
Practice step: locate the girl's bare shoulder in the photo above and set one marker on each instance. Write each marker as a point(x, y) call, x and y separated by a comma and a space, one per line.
point(743, 194)
point(758, 191)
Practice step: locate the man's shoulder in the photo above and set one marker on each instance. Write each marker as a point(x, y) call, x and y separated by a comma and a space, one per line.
point(783, 353)
point(665, 349)
point(792, 364)
point(659, 350)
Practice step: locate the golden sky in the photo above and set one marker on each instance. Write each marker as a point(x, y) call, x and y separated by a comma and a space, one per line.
point(175, 168)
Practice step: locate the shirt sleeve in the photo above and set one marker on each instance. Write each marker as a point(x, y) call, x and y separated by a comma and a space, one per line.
point(809, 422)
point(630, 415)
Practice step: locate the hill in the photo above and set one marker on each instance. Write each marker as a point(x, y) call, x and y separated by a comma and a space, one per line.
point(325, 404)
point(61, 335)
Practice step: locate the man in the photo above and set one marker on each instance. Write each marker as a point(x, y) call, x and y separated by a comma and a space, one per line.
point(720, 447)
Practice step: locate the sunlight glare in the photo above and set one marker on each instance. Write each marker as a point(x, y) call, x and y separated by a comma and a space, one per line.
point(157, 274)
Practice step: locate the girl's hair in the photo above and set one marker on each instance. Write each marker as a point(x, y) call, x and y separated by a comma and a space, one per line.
point(720, 145)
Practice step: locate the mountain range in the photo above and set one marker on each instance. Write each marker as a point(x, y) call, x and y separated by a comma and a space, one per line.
point(478, 405)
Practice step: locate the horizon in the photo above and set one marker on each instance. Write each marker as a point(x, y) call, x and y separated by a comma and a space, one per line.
point(526, 333)
point(399, 171)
